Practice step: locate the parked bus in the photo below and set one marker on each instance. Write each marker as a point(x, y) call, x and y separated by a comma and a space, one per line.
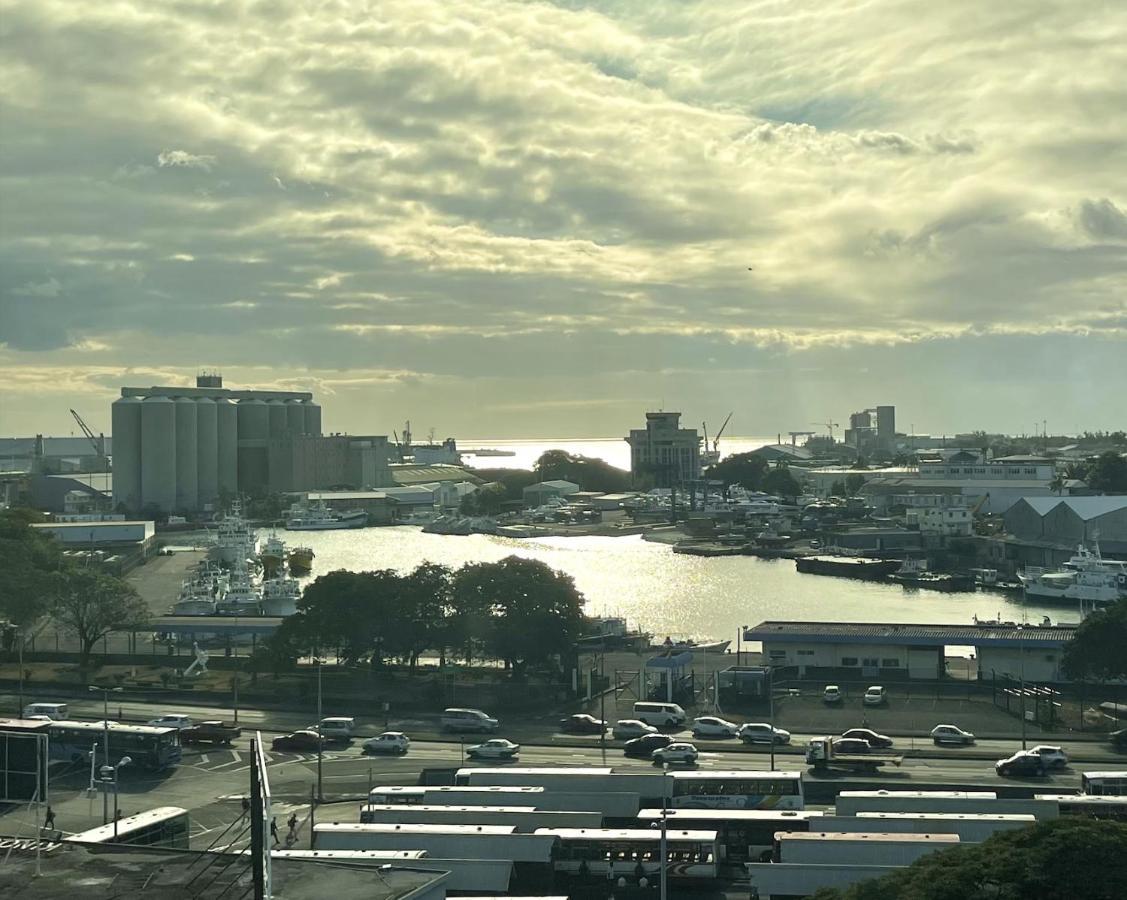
point(463, 875)
point(566, 778)
point(1104, 784)
point(147, 747)
point(165, 826)
point(525, 819)
point(603, 853)
point(611, 805)
point(745, 835)
point(850, 803)
point(1098, 807)
point(444, 841)
point(737, 790)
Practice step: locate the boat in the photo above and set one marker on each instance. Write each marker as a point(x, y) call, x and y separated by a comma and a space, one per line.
point(235, 540)
point(1086, 579)
point(318, 517)
point(244, 593)
point(488, 451)
point(988, 580)
point(300, 560)
point(915, 573)
point(861, 567)
point(685, 646)
point(273, 555)
point(280, 596)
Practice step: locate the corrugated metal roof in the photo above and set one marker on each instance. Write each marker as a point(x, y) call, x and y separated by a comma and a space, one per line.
point(856, 632)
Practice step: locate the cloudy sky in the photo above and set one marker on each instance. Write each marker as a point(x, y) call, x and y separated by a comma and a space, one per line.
point(531, 219)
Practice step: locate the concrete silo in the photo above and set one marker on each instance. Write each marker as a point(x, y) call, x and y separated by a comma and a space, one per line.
point(207, 451)
point(277, 412)
point(126, 430)
point(295, 417)
point(254, 434)
point(312, 417)
point(158, 453)
point(187, 485)
point(226, 446)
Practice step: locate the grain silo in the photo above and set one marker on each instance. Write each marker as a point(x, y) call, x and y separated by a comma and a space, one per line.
point(187, 486)
point(312, 417)
point(158, 453)
point(227, 446)
point(254, 434)
point(126, 424)
point(295, 418)
point(207, 452)
point(277, 412)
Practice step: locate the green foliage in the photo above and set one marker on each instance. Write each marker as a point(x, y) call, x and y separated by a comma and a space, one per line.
point(589, 473)
point(31, 558)
point(853, 483)
point(90, 605)
point(488, 500)
point(1108, 474)
point(1098, 650)
point(837, 489)
point(1062, 859)
point(781, 482)
point(745, 469)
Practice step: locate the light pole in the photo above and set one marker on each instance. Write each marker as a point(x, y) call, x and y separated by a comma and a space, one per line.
point(320, 739)
point(124, 761)
point(739, 638)
point(663, 881)
point(1021, 672)
point(105, 740)
point(771, 712)
point(19, 639)
point(603, 718)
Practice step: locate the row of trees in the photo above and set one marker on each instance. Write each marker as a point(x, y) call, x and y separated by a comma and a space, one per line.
point(506, 486)
point(517, 610)
point(752, 471)
point(37, 581)
point(1098, 650)
point(1106, 474)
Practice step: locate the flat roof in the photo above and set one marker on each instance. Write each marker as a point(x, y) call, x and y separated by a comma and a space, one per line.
point(215, 624)
point(92, 525)
point(910, 635)
point(872, 837)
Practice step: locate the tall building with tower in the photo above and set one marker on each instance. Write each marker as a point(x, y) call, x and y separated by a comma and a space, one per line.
point(872, 430)
point(665, 451)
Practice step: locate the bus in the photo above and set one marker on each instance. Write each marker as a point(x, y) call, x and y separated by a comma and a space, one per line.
point(165, 826)
point(478, 795)
point(441, 841)
point(566, 778)
point(851, 803)
point(1104, 784)
point(524, 818)
point(745, 835)
point(736, 790)
point(604, 853)
point(149, 748)
point(1102, 806)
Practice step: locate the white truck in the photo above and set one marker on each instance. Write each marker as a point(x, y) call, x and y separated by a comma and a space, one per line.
point(822, 755)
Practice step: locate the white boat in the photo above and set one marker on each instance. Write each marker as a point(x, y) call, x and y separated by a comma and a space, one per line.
point(1086, 579)
point(702, 646)
point(318, 517)
point(280, 596)
point(235, 540)
point(273, 554)
point(244, 593)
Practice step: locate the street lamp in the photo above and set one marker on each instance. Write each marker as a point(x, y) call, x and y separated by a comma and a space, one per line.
point(105, 738)
point(771, 712)
point(320, 738)
point(124, 761)
point(663, 881)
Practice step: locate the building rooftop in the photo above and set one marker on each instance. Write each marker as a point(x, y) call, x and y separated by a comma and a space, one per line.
point(1083, 507)
point(92, 524)
point(787, 449)
point(1004, 635)
point(410, 474)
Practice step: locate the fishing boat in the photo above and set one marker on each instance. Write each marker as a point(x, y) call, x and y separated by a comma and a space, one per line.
point(273, 555)
point(235, 540)
point(1086, 579)
point(300, 560)
point(280, 596)
point(318, 517)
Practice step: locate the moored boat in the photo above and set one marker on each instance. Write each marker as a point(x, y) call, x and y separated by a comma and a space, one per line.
point(300, 560)
point(318, 517)
point(847, 566)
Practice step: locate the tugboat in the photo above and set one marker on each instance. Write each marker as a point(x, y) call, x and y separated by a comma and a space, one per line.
point(300, 560)
point(915, 573)
point(273, 555)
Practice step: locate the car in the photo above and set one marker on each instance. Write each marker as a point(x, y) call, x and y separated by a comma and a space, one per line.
point(1051, 757)
point(762, 733)
point(581, 723)
point(460, 719)
point(951, 734)
point(850, 746)
point(212, 731)
point(494, 748)
point(677, 752)
point(335, 728)
point(171, 721)
point(388, 742)
point(876, 741)
point(1021, 763)
point(298, 740)
point(874, 696)
point(1118, 739)
point(624, 729)
point(711, 726)
point(645, 746)
point(831, 694)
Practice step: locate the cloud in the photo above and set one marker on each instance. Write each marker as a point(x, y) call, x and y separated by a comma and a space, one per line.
point(1102, 219)
point(182, 159)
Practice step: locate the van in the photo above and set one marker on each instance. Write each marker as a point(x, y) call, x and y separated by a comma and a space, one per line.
point(660, 715)
point(468, 720)
point(337, 728)
point(53, 711)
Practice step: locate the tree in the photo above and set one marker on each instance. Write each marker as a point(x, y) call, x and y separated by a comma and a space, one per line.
point(31, 558)
point(1108, 474)
point(1061, 859)
point(837, 489)
point(90, 605)
point(488, 500)
point(853, 483)
point(591, 474)
point(745, 469)
point(781, 482)
point(1097, 649)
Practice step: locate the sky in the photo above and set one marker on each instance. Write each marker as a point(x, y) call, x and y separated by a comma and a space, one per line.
point(518, 219)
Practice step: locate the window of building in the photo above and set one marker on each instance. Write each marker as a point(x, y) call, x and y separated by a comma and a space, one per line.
point(870, 662)
point(778, 654)
point(805, 652)
point(849, 660)
point(890, 664)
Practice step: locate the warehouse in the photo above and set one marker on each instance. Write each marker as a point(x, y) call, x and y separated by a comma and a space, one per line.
point(1069, 521)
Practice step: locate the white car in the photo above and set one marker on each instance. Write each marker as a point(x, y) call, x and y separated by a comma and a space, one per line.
point(494, 748)
point(711, 726)
point(625, 729)
point(763, 733)
point(171, 721)
point(677, 752)
point(832, 694)
point(951, 734)
point(874, 696)
point(388, 742)
point(1051, 757)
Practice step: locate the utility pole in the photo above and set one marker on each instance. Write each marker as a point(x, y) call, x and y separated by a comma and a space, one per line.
point(771, 711)
point(664, 849)
point(320, 739)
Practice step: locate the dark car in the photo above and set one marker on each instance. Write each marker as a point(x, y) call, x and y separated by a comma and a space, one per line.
point(849, 746)
point(1021, 763)
point(581, 723)
point(299, 740)
point(645, 746)
point(1118, 739)
point(876, 741)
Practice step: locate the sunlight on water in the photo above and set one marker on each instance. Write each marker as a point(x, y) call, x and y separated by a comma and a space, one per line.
point(612, 450)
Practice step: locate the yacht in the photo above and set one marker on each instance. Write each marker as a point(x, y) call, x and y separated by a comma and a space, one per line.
point(318, 517)
point(1087, 578)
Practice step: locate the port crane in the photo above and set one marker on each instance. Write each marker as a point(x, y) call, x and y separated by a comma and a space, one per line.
point(710, 457)
point(98, 443)
point(829, 426)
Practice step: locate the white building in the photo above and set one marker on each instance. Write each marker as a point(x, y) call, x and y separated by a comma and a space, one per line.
point(665, 451)
point(956, 521)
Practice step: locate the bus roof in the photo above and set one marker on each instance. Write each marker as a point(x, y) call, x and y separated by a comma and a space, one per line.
point(537, 770)
point(626, 834)
point(24, 725)
point(114, 727)
point(872, 837)
point(414, 789)
point(1092, 799)
point(718, 775)
point(389, 828)
point(105, 833)
point(732, 815)
point(423, 808)
point(926, 795)
point(949, 816)
point(351, 854)
point(1122, 773)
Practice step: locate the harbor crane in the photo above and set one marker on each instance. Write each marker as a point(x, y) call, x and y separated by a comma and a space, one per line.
point(795, 435)
point(829, 426)
point(710, 457)
point(98, 443)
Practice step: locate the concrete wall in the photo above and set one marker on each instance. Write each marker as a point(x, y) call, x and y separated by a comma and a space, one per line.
point(1037, 663)
point(850, 659)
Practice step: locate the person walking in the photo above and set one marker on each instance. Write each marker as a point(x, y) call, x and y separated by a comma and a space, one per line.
point(291, 822)
point(49, 822)
point(274, 831)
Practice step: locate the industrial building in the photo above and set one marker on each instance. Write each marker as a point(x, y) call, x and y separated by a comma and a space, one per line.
point(872, 430)
point(1069, 521)
point(664, 451)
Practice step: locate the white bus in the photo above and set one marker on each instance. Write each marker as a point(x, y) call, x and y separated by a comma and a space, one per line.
point(566, 778)
point(443, 841)
point(165, 826)
point(525, 819)
point(737, 790)
point(971, 828)
point(850, 803)
point(745, 835)
point(611, 805)
point(148, 747)
point(465, 875)
point(1102, 806)
point(604, 853)
point(1104, 784)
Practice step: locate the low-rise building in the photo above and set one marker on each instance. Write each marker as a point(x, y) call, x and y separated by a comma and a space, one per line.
point(540, 493)
point(954, 521)
point(1068, 521)
point(663, 451)
point(100, 533)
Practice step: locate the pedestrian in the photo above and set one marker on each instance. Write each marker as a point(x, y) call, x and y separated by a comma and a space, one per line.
point(49, 822)
point(246, 805)
point(274, 831)
point(291, 822)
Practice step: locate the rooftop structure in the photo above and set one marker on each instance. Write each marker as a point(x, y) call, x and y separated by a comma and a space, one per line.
point(664, 451)
point(1068, 521)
